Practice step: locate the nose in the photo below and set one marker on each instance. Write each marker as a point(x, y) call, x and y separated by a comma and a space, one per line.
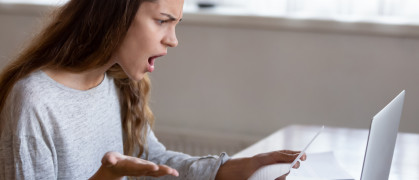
point(170, 39)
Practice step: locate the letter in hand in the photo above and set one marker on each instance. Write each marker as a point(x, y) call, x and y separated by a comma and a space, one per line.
point(274, 165)
point(116, 166)
point(245, 168)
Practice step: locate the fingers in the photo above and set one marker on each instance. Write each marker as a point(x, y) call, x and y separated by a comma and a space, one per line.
point(291, 155)
point(138, 167)
point(132, 166)
point(162, 171)
point(303, 157)
point(283, 156)
point(286, 156)
point(290, 151)
point(296, 165)
point(295, 153)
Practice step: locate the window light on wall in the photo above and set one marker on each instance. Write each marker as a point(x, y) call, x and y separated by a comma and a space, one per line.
point(392, 11)
point(42, 2)
point(385, 11)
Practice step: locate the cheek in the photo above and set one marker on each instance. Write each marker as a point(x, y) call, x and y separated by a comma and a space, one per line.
point(134, 67)
point(131, 52)
point(130, 47)
point(133, 41)
point(132, 60)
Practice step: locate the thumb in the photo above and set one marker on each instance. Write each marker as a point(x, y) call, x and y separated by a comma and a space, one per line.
point(111, 159)
point(276, 157)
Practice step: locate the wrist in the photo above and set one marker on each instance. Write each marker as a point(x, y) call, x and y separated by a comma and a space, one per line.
point(240, 168)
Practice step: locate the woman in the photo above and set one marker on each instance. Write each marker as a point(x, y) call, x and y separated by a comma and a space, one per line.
point(76, 99)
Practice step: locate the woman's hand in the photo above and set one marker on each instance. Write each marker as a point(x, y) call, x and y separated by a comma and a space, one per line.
point(243, 168)
point(116, 166)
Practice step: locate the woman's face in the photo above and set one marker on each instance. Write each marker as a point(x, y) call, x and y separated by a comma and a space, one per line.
point(150, 34)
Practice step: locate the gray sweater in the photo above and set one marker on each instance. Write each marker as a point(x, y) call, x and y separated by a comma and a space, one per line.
point(55, 132)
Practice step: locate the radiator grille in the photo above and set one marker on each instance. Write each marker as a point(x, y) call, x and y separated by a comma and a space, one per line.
point(200, 144)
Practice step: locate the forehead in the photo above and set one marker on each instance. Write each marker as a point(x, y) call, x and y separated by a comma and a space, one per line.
point(172, 7)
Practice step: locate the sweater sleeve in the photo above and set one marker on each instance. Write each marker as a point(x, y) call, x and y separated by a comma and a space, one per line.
point(25, 151)
point(25, 158)
point(189, 167)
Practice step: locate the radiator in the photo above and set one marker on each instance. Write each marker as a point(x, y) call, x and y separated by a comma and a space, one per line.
point(199, 143)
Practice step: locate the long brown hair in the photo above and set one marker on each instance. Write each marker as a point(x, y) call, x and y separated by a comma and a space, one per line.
point(82, 35)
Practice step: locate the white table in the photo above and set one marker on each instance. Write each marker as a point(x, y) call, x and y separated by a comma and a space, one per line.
point(348, 146)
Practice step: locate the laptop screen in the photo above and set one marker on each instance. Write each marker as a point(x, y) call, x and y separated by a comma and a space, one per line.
point(382, 139)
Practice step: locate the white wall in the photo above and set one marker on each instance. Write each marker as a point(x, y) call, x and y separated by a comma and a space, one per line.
point(19, 23)
point(254, 80)
point(13, 32)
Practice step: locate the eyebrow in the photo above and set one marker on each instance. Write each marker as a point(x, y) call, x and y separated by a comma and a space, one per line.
point(171, 18)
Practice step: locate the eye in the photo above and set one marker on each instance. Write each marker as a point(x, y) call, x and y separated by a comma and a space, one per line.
point(162, 21)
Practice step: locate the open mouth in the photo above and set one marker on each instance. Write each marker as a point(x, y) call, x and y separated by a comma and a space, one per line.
point(151, 62)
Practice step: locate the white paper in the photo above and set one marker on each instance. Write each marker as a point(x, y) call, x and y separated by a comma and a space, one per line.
point(305, 149)
point(317, 166)
point(320, 165)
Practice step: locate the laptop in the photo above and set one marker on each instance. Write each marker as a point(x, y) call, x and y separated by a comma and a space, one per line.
point(379, 151)
point(382, 140)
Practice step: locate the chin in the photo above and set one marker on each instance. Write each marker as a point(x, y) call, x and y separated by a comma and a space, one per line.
point(138, 77)
point(134, 73)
